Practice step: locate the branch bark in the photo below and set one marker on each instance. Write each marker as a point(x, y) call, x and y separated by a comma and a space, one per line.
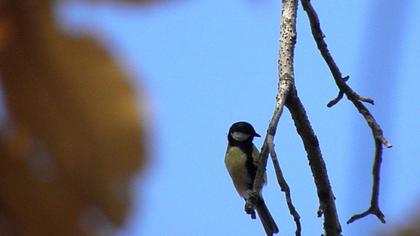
point(319, 171)
point(287, 95)
point(285, 68)
point(284, 186)
point(286, 80)
point(357, 100)
point(286, 85)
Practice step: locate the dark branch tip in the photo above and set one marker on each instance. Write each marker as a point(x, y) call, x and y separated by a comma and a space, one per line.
point(335, 100)
point(367, 100)
point(346, 78)
point(371, 211)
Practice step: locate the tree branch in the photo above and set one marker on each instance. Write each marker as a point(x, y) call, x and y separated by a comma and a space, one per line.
point(357, 100)
point(286, 80)
point(284, 186)
point(285, 68)
point(286, 85)
point(319, 171)
point(374, 205)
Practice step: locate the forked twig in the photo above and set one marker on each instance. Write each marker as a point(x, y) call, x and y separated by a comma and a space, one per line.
point(357, 100)
point(285, 84)
point(287, 95)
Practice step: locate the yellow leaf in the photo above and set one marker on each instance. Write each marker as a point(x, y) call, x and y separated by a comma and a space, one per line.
point(75, 139)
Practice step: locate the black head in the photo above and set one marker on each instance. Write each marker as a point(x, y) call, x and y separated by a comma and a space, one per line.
point(242, 132)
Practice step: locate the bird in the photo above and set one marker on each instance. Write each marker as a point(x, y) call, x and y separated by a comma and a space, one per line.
point(241, 162)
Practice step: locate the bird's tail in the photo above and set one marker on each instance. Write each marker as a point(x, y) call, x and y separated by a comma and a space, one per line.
point(267, 220)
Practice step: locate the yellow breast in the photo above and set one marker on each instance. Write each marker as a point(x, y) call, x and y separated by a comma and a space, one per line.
point(235, 161)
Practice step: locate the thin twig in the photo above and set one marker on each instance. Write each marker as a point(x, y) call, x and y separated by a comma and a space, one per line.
point(323, 48)
point(335, 100)
point(284, 186)
point(326, 197)
point(357, 100)
point(339, 96)
point(374, 205)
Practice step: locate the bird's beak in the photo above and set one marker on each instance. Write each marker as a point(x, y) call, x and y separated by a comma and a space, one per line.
point(257, 135)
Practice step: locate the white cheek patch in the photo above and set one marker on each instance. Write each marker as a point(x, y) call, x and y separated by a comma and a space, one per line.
point(239, 136)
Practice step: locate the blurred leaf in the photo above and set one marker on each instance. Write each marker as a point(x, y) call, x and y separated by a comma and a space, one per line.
point(75, 139)
point(141, 2)
point(408, 226)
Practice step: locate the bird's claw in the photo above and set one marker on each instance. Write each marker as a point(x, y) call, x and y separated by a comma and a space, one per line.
point(249, 209)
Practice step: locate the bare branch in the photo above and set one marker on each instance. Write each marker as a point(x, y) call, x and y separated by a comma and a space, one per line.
point(286, 85)
point(357, 100)
point(371, 211)
point(335, 100)
point(284, 186)
point(376, 172)
point(286, 74)
point(339, 96)
point(271, 131)
point(319, 171)
point(285, 68)
point(323, 48)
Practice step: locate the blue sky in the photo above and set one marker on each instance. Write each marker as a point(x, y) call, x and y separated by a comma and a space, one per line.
point(206, 64)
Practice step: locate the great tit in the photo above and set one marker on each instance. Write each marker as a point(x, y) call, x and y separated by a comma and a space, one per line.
point(241, 162)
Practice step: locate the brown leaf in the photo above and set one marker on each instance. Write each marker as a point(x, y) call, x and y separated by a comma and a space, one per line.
point(408, 225)
point(75, 139)
point(143, 2)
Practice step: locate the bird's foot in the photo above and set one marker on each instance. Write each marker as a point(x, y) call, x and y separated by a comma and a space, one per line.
point(249, 209)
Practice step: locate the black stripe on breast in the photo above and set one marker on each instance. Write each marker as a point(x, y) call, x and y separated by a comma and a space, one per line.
point(250, 166)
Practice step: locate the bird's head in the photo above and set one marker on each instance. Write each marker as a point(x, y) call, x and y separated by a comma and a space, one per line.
point(242, 132)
